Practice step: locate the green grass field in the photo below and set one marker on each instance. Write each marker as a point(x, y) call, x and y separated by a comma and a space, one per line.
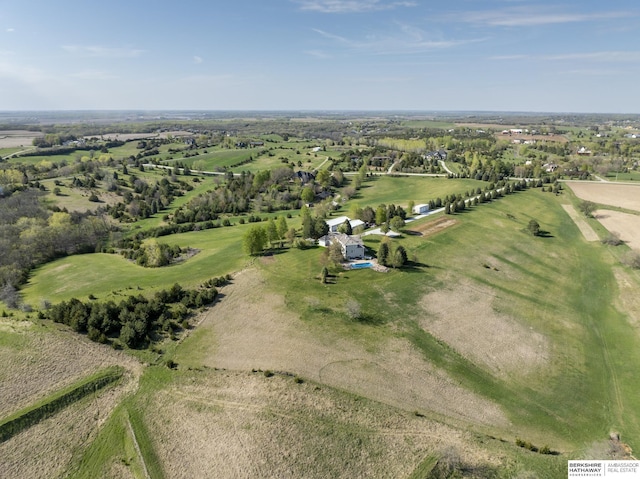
point(557, 286)
point(401, 190)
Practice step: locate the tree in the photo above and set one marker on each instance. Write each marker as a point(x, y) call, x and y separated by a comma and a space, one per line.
point(383, 253)
point(272, 231)
point(282, 227)
point(345, 228)
point(399, 257)
point(323, 178)
point(381, 215)
point(320, 228)
point(396, 223)
point(410, 206)
point(323, 274)
point(307, 223)
point(335, 252)
point(587, 207)
point(307, 195)
point(534, 227)
point(254, 240)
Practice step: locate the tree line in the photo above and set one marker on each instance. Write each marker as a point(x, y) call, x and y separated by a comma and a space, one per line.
point(136, 321)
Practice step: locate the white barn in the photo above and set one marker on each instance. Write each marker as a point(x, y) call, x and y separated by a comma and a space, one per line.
point(420, 209)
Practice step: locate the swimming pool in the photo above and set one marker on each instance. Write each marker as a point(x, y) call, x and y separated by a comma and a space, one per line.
point(361, 265)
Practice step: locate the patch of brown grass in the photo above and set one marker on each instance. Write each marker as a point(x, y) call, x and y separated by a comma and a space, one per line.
point(243, 424)
point(252, 328)
point(464, 317)
point(433, 227)
point(584, 227)
point(37, 362)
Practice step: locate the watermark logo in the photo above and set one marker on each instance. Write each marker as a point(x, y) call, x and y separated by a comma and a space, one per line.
point(611, 469)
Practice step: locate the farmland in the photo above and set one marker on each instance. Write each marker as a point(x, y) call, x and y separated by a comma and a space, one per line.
point(484, 335)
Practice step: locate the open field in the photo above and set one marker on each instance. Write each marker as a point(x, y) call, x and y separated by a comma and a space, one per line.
point(243, 424)
point(401, 190)
point(625, 224)
point(17, 138)
point(50, 359)
point(619, 195)
point(428, 228)
point(487, 333)
point(251, 329)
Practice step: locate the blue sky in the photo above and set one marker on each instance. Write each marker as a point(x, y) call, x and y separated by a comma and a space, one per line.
point(490, 55)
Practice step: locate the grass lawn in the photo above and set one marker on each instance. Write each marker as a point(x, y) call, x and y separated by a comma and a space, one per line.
point(110, 276)
point(401, 190)
point(630, 176)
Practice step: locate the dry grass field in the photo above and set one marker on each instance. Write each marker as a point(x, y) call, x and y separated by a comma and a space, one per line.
point(584, 227)
point(243, 424)
point(463, 316)
point(620, 195)
point(252, 328)
point(50, 359)
point(47, 449)
point(433, 227)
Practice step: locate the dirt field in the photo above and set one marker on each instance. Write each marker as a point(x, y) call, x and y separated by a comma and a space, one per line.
point(583, 226)
point(243, 424)
point(433, 227)
point(625, 224)
point(620, 195)
point(252, 328)
point(463, 317)
point(17, 138)
point(140, 136)
point(37, 362)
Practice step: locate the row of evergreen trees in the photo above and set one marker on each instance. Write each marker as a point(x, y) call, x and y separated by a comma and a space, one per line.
point(135, 321)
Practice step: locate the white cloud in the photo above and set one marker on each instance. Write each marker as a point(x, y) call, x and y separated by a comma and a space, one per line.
point(197, 60)
point(409, 40)
point(93, 75)
point(102, 52)
point(350, 6)
point(11, 30)
point(527, 16)
point(319, 54)
point(603, 57)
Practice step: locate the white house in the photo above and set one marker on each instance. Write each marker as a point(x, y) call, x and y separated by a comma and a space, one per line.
point(352, 246)
point(420, 209)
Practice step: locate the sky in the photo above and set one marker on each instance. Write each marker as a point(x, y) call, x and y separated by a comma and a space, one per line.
point(454, 55)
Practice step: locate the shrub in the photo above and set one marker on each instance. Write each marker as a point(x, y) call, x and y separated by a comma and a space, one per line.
point(268, 373)
point(612, 239)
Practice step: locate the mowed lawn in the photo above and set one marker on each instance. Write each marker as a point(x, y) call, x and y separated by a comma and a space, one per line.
point(420, 189)
point(220, 252)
